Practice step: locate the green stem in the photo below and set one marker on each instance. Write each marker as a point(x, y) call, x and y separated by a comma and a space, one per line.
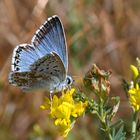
point(104, 123)
point(134, 126)
point(106, 129)
point(101, 108)
point(110, 137)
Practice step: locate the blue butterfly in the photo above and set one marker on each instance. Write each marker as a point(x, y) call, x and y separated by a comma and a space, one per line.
point(43, 64)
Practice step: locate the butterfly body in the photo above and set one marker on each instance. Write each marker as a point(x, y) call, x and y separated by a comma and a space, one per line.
point(42, 64)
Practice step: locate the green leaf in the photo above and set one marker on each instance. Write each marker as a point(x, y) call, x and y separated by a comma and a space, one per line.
point(118, 133)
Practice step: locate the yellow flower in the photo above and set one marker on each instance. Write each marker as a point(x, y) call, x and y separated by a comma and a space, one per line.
point(64, 110)
point(134, 71)
point(134, 97)
point(46, 104)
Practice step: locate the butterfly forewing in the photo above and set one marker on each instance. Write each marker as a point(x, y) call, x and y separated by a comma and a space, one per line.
point(50, 37)
point(23, 56)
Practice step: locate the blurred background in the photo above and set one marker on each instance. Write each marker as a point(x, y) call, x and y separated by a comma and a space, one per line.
point(105, 32)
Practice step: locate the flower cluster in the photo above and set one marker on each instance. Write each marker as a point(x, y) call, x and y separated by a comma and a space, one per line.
point(64, 110)
point(134, 90)
point(134, 97)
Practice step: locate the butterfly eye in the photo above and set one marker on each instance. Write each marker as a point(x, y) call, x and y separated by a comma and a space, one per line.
point(69, 80)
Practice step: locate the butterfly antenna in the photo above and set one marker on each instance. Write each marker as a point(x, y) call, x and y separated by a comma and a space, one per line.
point(75, 76)
point(77, 80)
point(79, 77)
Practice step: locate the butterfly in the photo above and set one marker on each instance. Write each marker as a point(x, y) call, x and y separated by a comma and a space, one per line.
point(43, 64)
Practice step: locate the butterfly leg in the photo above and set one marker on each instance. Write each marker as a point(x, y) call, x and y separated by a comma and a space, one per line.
point(69, 87)
point(51, 98)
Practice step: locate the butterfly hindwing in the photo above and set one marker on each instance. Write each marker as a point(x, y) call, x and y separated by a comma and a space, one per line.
point(46, 72)
point(51, 65)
